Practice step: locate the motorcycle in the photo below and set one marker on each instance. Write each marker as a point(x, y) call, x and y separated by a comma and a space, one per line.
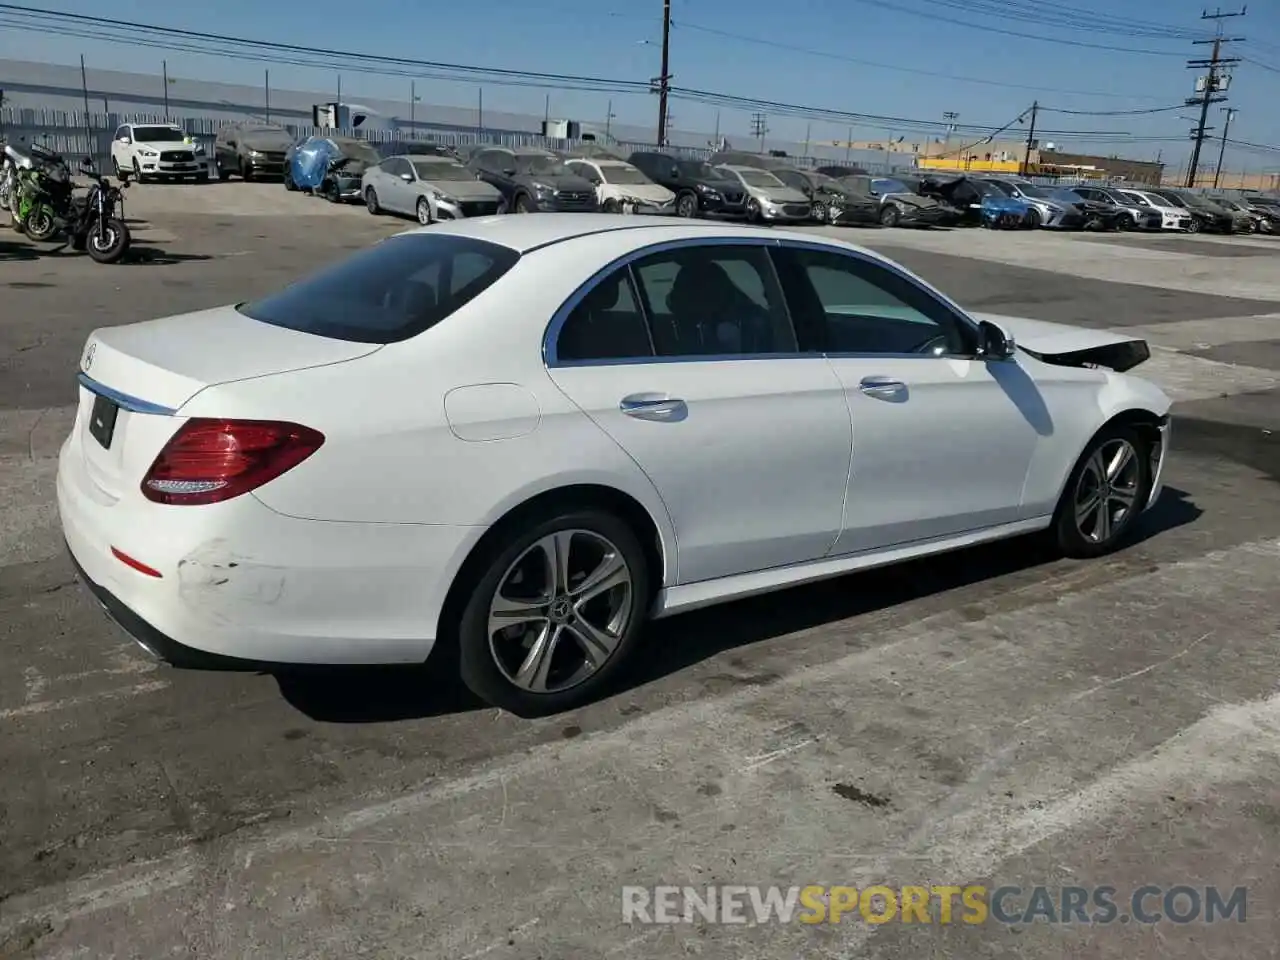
point(43, 198)
point(93, 224)
point(8, 179)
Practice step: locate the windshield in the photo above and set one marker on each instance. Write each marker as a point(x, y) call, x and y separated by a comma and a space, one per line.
point(539, 163)
point(889, 185)
point(158, 135)
point(1066, 196)
point(998, 186)
point(358, 150)
point(626, 176)
point(441, 170)
point(697, 170)
point(1173, 199)
point(392, 291)
point(759, 178)
point(1133, 197)
point(1031, 190)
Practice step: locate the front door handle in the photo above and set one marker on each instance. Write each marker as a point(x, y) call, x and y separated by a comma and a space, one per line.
point(885, 388)
point(651, 406)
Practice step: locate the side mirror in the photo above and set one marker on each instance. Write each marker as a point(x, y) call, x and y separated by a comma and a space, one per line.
point(407, 177)
point(996, 344)
point(126, 140)
point(509, 171)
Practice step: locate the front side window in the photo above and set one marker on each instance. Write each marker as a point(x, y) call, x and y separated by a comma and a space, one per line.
point(390, 292)
point(860, 307)
point(716, 300)
point(889, 185)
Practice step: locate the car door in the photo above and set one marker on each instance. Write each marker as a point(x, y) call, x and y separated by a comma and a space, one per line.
point(120, 155)
point(398, 199)
point(942, 439)
point(687, 359)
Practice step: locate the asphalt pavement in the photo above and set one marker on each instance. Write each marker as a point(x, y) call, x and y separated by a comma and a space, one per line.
point(995, 717)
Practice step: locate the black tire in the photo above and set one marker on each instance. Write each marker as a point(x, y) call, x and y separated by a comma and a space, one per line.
point(115, 168)
point(611, 206)
point(1033, 219)
point(687, 206)
point(40, 225)
point(202, 177)
point(111, 248)
point(423, 211)
point(332, 193)
point(1193, 226)
point(246, 172)
point(287, 179)
point(1066, 529)
point(477, 662)
point(753, 211)
point(524, 204)
point(137, 172)
point(1126, 223)
point(890, 215)
point(370, 201)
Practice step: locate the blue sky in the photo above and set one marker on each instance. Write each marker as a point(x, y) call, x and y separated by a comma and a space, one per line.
point(847, 52)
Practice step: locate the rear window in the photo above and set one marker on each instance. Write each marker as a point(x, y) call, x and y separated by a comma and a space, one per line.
point(391, 292)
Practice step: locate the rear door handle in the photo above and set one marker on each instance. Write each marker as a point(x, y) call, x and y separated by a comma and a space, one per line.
point(651, 406)
point(886, 388)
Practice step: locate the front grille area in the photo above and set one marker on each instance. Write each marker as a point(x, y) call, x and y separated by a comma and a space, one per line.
point(177, 156)
point(478, 208)
point(732, 197)
point(795, 210)
point(571, 196)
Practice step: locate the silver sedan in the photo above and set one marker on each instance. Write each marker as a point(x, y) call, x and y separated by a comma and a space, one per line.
point(428, 188)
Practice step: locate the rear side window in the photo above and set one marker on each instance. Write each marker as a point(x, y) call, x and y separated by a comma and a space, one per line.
point(393, 291)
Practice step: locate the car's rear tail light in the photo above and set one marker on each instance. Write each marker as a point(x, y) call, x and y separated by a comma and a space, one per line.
point(208, 461)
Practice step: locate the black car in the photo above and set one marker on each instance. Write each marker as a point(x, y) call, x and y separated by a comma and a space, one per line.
point(1204, 216)
point(840, 171)
point(897, 204)
point(533, 181)
point(962, 194)
point(1130, 215)
point(1098, 214)
point(699, 190)
point(251, 150)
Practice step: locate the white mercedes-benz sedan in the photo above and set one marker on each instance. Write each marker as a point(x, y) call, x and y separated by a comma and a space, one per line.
point(519, 438)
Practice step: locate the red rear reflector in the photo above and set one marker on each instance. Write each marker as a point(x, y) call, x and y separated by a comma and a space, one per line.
point(138, 565)
point(208, 461)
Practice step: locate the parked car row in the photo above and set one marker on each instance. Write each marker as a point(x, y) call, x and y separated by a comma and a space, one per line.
point(433, 182)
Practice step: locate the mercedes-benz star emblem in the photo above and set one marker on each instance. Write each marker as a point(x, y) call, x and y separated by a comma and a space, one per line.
point(88, 355)
point(561, 609)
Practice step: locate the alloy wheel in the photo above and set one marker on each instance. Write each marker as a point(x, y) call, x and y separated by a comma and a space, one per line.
point(1107, 492)
point(560, 611)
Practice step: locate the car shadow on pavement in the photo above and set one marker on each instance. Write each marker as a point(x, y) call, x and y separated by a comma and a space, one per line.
point(385, 694)
point(18, 250)
point(153, 256)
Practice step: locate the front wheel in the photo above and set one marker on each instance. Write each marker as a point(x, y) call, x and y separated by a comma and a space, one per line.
point(1193, 226)
point(555, 612)
point(890, 216)
point(687, 206)
point(524, 204)
point(111, 243)
point(39, 224)
point(370, 200)
point(1033, 219)
point(819, 212)
point(424, 211)
point(1104, 495)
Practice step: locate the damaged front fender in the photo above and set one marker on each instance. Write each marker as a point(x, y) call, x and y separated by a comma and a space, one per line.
point(1068, 346)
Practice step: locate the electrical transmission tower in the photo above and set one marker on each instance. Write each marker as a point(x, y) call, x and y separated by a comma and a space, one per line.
point(759, 127)
point(1209, 88)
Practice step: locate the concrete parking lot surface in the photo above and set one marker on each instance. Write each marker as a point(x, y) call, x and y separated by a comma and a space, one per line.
point(996, 717)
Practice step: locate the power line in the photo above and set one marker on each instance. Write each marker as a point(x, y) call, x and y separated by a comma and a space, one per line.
point(1014, 33)
point(1114, 113)
point(1068, 18)
point(828, 55)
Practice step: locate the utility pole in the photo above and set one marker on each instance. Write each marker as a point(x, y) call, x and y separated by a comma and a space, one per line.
point(808, 128)
point(1031, 138)
point(663, 80)
point(759, 127)
point(608, 120)
point(1214, 83)
point(1226, 126)
point(951, 117)
point(266, 90)
point(164, 70)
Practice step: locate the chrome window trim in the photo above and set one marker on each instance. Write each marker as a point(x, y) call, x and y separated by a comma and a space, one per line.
point(552, 332)
point(123, 400)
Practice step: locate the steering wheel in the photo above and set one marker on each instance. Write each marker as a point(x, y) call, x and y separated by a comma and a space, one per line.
point(936, 345)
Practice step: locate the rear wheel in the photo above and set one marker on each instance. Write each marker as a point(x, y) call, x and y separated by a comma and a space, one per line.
point(1105, 494)
point(555, 612)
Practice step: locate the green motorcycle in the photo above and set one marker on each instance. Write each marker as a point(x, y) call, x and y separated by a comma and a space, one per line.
point(43, 196)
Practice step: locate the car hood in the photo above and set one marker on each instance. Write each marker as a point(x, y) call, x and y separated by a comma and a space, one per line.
point(562, 182)
point(164, 145)
point(1061, 344)
point(780, 194)
point(652, 192)
point(720, 186)
point(267, 140)
point(464, 189)
point(912, 200)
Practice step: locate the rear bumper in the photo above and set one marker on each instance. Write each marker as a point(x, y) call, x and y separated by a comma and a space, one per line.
point(240, 582)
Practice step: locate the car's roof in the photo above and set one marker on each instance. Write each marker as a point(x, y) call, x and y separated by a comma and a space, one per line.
point(525, 233)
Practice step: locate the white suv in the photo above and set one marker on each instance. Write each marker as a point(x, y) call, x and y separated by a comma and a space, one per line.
point(157, 150)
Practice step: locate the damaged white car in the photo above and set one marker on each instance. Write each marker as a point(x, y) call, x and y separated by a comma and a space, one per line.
point(518, 439)
point(621, 187)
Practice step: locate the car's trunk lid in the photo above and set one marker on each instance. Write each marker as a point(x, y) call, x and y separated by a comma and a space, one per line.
point(135, 378)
